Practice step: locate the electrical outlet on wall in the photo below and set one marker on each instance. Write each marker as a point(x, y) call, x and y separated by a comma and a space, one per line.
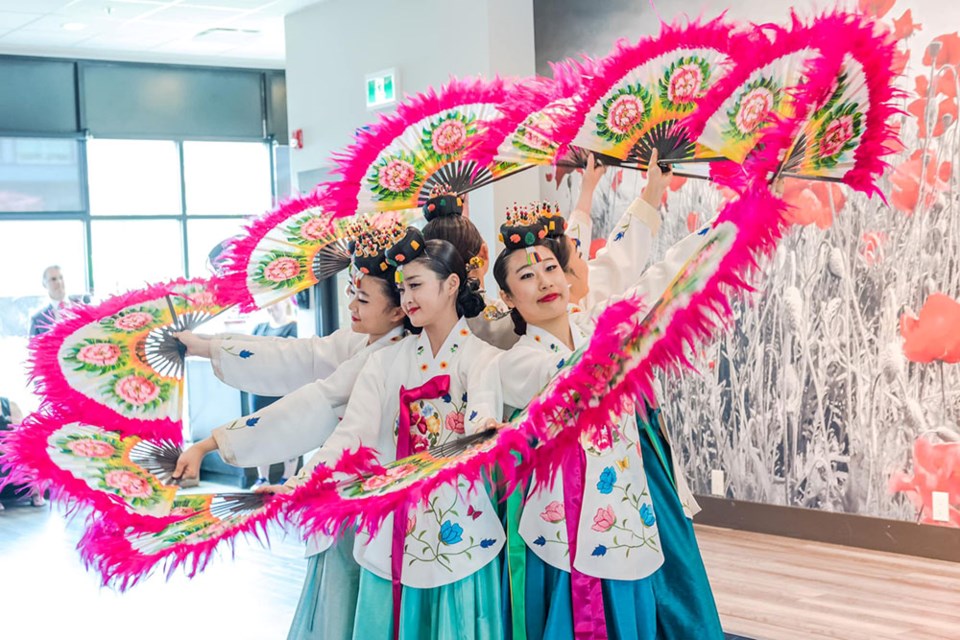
point(941, 506)
point(718, 484)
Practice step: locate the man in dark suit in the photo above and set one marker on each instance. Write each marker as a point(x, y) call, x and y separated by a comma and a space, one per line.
point(57, 291)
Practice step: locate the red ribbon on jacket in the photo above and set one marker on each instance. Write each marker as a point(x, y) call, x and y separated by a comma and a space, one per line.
point(434, 388)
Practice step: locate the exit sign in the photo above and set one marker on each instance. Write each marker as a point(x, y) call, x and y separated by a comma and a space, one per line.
point(382, 89)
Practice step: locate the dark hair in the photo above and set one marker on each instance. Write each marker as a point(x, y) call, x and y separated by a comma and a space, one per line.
point(442, 258)
point(554, 245)
point(560, 246)
point(458, 231)
point(392, 292)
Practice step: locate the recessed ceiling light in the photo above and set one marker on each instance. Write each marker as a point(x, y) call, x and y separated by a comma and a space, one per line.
point(73, 26)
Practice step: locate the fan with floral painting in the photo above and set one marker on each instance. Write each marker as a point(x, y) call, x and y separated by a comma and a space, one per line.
point(81, 464)
point(400, 160)
point(197, 524)
point(836, 143)
point(640, 91)
point(118, 364)
point(287, 251)
point(525, 132)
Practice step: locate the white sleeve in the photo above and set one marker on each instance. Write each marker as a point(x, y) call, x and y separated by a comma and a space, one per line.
point(625, 255)
point(362, 420)
point(483, 389)
point(276, 367)
point(580, 228)
point(293, 425)
point(523, 372)
point(655, 280)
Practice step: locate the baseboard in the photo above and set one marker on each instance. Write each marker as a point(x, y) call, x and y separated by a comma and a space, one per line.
point(878, 534)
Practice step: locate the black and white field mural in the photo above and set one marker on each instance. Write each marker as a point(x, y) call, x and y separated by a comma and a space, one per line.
point(838, 388)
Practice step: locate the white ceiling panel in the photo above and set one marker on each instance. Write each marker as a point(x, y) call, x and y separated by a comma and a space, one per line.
point(10, 20)
point(157, 30)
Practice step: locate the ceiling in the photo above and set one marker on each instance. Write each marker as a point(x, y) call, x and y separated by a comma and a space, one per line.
point(220, 32)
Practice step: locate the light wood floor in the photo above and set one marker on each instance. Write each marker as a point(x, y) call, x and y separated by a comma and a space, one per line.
point(773, 588)
point(766, 587)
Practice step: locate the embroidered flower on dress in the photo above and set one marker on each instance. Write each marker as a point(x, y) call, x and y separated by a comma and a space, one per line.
point(450, 532)
point(554, 512)
point(252, 422)
point(604, 519)
point(411, 522)
point(487, 542)
point(245, 354)
point(646, 515)
point(454, 422)
point(540, 541)
point(599, 551)
point(608, 477)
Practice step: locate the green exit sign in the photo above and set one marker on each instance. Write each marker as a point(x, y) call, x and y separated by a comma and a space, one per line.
point(382, 89)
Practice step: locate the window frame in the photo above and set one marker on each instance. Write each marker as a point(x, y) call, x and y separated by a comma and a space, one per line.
point(84, 215)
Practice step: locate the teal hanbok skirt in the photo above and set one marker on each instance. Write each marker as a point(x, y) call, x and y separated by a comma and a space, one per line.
point(468, 609)
point(628, 605)
point(329, 597)
point(685, 605)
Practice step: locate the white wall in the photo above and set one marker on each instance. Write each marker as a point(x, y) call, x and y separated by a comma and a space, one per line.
point(331, 46)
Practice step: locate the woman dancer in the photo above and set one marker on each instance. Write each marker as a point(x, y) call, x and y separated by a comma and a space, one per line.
point(441, 557)
point(301, 421)
point(603, 529)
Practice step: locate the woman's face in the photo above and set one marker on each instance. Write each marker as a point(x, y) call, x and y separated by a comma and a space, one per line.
point(371, 309)
point(538, 288)
point(577, 272)
point(425, 297)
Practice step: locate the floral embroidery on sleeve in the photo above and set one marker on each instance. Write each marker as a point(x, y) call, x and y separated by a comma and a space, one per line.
point(242, 353)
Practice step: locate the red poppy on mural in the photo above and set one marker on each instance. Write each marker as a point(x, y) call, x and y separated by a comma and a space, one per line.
point(906, 182)
point(617, 180)
point(596, 245)
point(875, 8)
point(935, 333)
point(936, 467)
point(945, 49)
point(944, 116)
point(813, 202)
point(900, 59)
point(871, 247)
point(904, 26)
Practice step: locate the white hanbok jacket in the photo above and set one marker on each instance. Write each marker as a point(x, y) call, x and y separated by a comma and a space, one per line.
point(459, 532)
point(617, 533)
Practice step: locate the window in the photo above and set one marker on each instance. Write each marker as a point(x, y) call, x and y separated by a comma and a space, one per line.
point(134, 177)
point(27, 247)
point(203, 236)
point(127, 254)
point(227, 178)
point(40, 174)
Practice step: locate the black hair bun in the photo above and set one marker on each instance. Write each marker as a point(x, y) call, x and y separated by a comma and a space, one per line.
point(407, 249)
point(470, 302)
point(555, 224)
point(448, 204)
